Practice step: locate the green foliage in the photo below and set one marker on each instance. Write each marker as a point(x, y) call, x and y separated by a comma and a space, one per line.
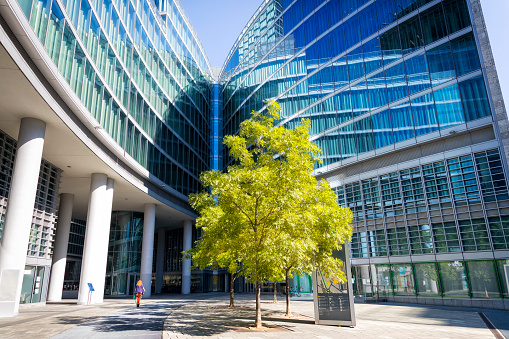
point(267, 211)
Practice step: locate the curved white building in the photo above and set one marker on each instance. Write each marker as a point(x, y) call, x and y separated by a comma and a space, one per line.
point(113, 97)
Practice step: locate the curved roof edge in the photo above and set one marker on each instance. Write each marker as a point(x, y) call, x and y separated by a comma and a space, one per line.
point(193, 32)
point(245, 30)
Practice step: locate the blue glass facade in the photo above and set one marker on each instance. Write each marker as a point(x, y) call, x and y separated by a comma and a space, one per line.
point(216, 138)
point(398, 98)
point(373, 72)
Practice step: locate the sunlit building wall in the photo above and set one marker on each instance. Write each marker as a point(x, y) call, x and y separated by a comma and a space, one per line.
point(135, 74)
point(140, 73)
point(404, 101)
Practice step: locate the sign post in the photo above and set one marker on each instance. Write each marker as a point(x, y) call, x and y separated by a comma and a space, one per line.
point(334, 304)
point(90, 290)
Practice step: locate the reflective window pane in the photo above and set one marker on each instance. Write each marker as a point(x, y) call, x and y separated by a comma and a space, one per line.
point(403, 279)
point(424, 114)
point(465, 54)
point(433, 24)
point(382, 129)
point(454, 279)
point(441, 65)
point(456, 13)
point(381, 276)
point(402, 124)
point(503, 268)
point(483, 279)
point(448, 105)
point(426, 280)
point(417, 74)
point(474, 98)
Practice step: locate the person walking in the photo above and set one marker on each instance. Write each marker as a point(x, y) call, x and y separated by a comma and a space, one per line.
point(140, 290)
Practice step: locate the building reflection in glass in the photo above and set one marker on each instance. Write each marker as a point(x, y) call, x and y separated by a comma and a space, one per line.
point(124, 253)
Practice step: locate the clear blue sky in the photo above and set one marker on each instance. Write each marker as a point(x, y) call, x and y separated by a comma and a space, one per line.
point(496, 15)
point(219, 22)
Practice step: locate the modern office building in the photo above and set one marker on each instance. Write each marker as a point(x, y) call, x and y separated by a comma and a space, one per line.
point(105, 120)
point(109, 110)
point(405, 103)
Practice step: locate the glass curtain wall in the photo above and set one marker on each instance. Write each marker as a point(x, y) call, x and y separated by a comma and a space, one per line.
point(142, 75)
point(451, 279)
point(311, 77)
point(124, 252)
point(374, 78)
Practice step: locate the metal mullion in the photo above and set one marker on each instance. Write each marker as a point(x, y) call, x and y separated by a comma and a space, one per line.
point(499, 278)
point(453, 206)
point(364, 219)
point(384, 218)
point(440, 281)
point(164, 62)
point(193, 33)
point(409, 244)
point(426, 203)
point(178, 33)
point(481, 198)
point(453, 201)
point(467, 277)
point(155, 111)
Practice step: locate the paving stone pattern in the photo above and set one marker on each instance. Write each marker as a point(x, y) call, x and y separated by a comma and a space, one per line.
point(212, 319)
point(207, 316)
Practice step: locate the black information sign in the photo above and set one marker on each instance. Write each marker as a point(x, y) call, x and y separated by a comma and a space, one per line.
point(334, 306)
point(333, 298)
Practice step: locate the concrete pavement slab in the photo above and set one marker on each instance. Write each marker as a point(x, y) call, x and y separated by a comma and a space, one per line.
point(212, 319)
point(207, 316)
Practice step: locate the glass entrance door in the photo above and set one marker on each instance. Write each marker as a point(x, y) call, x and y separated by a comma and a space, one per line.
point(31, 289)
point(27, 286)
point(37, 291)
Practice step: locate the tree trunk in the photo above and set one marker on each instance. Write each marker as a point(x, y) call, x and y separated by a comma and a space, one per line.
point(232, 289)
point(258, 321)
point(275, 292)
point(288, 313)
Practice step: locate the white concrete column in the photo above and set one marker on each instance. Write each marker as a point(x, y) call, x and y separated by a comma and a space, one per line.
point(147, 247)
point(161, 237)
point(186, 263)
point(56, 280)
point(97, 232)
point(18, 217)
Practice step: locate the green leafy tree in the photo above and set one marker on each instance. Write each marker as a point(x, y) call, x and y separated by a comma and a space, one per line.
point(268, 205)
point(216, 249)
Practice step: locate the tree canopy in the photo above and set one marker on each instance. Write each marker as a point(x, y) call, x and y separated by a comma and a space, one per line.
point(267, 212)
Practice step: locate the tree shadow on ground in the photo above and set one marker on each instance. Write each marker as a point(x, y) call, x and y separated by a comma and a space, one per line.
point(147, 318)
point(206, 320)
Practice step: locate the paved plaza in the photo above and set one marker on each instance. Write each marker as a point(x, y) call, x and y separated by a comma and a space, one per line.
point(207, 316)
